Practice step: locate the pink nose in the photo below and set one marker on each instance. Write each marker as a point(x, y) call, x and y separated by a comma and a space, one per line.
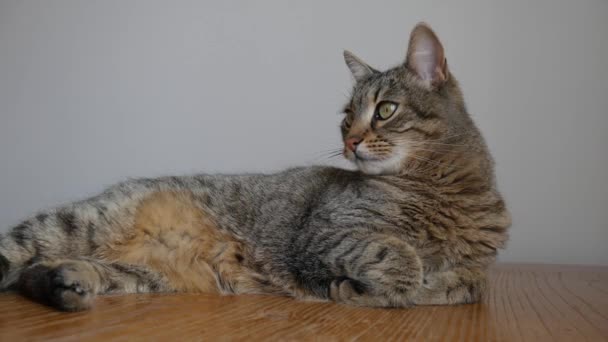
point(351, 143)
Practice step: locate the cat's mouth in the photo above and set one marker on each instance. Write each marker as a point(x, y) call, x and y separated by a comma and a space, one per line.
point(360, 156)
point(363, 157)
point(372, 163)
point(375, 164)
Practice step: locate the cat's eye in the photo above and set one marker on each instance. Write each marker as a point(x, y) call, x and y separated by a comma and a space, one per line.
point(346, 123)
point(385, 110)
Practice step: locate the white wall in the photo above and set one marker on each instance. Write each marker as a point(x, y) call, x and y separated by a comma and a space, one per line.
point(92, 92)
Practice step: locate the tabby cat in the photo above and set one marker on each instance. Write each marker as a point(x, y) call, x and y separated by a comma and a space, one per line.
point(417, 224)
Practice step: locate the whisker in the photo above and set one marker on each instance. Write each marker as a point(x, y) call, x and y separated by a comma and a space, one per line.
point(327, 154)
point(331, 150)
point(429, 167)
point(445, 137)
point(439, 148)
point(427, 143)
point(441, 140)
point(435, 162)
point(438, 143)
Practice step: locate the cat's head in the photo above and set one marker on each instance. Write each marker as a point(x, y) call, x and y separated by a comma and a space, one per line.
point(407, 114)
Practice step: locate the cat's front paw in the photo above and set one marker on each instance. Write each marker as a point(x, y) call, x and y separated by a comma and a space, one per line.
point(460, 286)
point(352, 292)
point(344, 289)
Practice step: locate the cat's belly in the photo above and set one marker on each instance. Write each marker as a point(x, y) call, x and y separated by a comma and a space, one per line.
point(175, 236)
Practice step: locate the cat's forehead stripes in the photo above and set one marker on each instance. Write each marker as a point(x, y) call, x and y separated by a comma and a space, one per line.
point(368, 93)
point(364, 110)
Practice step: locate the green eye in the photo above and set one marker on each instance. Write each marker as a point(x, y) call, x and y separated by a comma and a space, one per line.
point(385, 110)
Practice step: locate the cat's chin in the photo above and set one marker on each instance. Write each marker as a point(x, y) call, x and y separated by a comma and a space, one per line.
point(390, 166)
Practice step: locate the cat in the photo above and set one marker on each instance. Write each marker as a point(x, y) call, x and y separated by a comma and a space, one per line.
point(418, 222)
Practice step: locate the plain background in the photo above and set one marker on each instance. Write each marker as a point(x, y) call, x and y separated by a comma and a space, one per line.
point(93, 92)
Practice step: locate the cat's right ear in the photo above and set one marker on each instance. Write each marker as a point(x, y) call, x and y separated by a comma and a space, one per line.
point(358, 68)
point(425, 56)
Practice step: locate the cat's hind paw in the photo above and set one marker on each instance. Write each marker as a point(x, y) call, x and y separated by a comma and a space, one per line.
point(4, 267)
point(67, 286)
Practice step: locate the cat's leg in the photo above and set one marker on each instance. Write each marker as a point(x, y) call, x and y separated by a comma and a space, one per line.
point(46, 236)
point(456, 286)
point(72, 231)
point(72, 285)
point(378, 270)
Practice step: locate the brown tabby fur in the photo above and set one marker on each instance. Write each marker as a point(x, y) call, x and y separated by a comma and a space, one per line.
point(418, 224)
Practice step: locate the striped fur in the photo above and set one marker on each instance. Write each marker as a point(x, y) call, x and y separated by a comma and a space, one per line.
point(418, 224)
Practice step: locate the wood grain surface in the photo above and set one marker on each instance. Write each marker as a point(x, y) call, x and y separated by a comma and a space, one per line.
point(526, 303)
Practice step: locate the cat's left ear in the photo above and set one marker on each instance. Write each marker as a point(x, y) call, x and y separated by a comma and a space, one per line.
point(358, 68)
point(425, 56)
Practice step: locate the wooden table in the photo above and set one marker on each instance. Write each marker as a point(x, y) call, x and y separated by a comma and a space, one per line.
point(527, 302)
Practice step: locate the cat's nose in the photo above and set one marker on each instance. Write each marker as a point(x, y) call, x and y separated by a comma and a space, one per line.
point(352, 142)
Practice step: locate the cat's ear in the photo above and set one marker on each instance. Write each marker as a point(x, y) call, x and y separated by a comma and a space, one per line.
point(425, 56)
point(358, 68)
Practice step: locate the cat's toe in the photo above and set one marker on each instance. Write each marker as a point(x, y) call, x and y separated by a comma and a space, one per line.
point(344, 289)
